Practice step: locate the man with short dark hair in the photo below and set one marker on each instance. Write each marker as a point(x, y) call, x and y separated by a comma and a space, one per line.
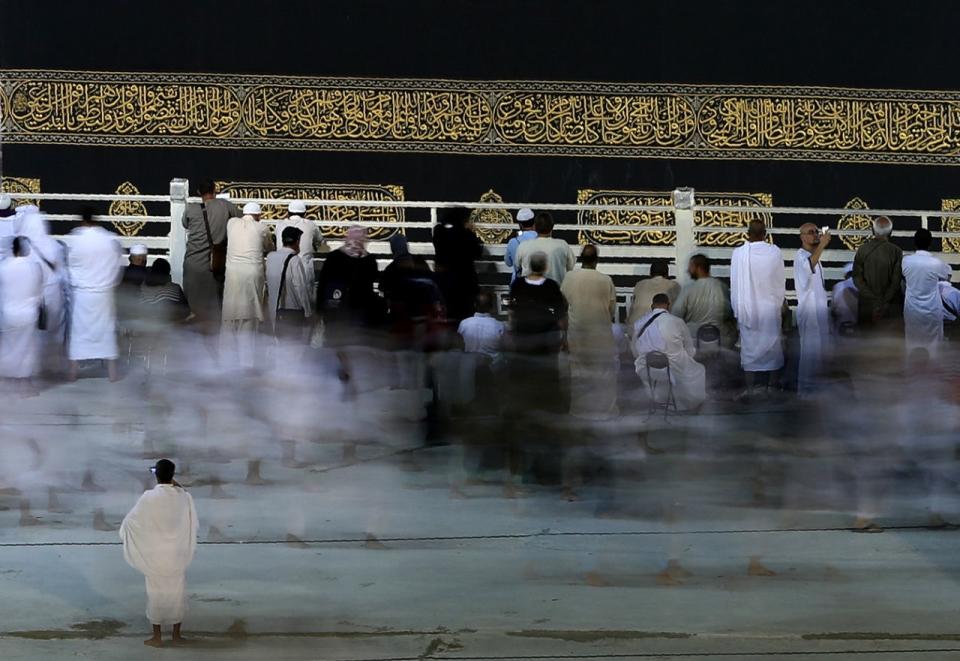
point(922, 304)
point(813, 313)
point(658, 330)
point(559, 254)
point(659, 282)
point(286, 275)
point(159, 539)
point(483, 333)
point(592, 304)
point(757, 291)
point(94, 264)
point(206, 225)
point(705, 300)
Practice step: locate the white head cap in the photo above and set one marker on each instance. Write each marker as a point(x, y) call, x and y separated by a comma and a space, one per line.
point(524, 215)
point(5, 202)
point(251, 209)
point(882, 226)
point(138, 249)
point(297, 206)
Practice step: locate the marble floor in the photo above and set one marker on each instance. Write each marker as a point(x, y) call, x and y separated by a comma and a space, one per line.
point(374, 546)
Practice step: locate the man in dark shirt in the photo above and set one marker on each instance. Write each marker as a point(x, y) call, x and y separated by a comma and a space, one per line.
point(877, 274)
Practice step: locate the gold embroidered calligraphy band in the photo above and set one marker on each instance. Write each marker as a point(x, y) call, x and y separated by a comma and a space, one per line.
point(321, 191)
point(481, 117)
point(702, 220)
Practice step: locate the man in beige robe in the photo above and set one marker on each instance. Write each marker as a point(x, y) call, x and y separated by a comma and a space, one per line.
point(592, 300)
point(244, 289)
point(659, 282)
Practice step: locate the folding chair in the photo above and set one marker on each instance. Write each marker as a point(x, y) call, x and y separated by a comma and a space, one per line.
point(657, 360)
point(708, 341)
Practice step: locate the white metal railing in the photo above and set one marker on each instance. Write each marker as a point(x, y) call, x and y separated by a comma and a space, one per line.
point(616, 258)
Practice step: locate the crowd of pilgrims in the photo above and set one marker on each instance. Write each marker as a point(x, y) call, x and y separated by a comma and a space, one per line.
point(256, 296)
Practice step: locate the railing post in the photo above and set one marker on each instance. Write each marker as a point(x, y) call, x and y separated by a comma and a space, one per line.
point(179, 189)
point(686, 243)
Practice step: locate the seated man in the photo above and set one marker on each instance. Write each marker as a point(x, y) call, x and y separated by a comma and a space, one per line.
point(658, 330)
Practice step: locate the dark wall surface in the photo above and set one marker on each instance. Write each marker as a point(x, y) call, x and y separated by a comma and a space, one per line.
point(877, 45)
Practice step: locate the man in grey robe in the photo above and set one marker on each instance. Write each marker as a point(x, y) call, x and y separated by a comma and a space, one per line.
point(705, 300)
point(203, 288)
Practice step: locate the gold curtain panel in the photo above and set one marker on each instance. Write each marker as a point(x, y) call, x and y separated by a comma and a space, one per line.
point(481, 117)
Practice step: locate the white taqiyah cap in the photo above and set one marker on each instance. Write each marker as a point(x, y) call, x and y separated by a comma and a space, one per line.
point(138, 249)
point(5, 201)
point(524, 215)
point(297, 206)
point(251, 209)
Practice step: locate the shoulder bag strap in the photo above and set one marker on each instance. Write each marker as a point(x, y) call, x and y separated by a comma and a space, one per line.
point(206, 225)
point(283, 282)
point(649, 321)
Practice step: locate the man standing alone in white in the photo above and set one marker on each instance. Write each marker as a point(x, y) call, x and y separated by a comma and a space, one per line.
point(95, 266)
point(159, 539)
point(757, 291)
point(922, 304)
point(813, 314)
point(244, 288)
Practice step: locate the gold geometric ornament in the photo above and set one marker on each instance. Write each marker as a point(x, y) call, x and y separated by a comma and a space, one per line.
point(127, 208)
point(21, 185)
point(854, 222)
point(950, 244)
point(494, 217)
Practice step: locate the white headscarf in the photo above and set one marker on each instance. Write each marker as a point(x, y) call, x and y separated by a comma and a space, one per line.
point(33, 225)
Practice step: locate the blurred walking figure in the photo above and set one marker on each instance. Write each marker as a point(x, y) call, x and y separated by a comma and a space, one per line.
point(844, 301)
point(204, 259)
point(159, 539)
point(922, 304)
point(538, 315)
point(757, 291)
point(659, 282)
point(813, 314)
point(21, 300)
point(94, 263)
point(877, 275)
point(244, 293)
point(457, 247)
point(51, 256)
point(592, 303)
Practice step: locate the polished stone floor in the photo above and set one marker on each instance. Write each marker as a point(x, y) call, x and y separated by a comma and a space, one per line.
point(377, 547)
